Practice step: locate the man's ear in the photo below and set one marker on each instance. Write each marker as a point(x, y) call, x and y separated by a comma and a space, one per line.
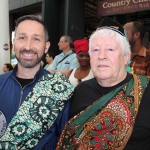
point(13, 47)
point(127, 58)
point(68, 43)
point(137, 35)
point(47, 46)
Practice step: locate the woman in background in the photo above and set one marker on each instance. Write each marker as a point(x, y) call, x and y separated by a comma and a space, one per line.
point(83, 72)
point(7, 67)
point(49, 59)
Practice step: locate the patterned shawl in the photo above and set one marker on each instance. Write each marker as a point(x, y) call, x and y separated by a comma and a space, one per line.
point(37, 113)
point(105, 124)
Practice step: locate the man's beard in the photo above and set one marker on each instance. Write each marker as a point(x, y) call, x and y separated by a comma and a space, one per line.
point(132, 43)
point(29, 63)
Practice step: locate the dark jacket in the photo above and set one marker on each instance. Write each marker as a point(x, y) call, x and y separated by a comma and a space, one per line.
point(12, 96)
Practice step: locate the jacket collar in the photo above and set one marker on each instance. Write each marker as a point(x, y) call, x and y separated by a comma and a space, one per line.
point(38, 75)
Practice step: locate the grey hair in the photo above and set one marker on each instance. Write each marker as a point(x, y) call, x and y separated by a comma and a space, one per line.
point(125, 46)
point(69, 39)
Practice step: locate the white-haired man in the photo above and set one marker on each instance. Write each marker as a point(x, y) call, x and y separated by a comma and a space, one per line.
point(104, 113)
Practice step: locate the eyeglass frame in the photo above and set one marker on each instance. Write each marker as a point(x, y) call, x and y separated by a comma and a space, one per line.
point(62, 41)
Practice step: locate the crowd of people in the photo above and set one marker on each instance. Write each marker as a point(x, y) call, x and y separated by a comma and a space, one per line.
point(84, 98)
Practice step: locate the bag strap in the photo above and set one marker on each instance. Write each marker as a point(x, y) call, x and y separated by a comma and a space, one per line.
point(64, 58)
point(136, 107)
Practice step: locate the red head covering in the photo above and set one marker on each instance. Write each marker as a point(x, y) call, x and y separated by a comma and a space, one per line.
point(81, 46)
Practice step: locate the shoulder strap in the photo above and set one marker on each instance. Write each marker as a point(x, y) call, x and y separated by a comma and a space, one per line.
point(64, 58)
point(136, 107)
point(136, 94)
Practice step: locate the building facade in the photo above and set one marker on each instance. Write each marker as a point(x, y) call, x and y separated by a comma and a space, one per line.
point(78, 18)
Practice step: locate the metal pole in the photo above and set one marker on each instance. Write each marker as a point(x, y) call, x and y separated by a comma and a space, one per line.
point(66, 16)
point(4, 34)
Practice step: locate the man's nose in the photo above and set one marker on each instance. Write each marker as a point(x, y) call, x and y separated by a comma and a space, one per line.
point(28, 44)
point(102, 54)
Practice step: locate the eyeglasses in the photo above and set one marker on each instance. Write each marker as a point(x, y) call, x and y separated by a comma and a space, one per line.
point(62, 41)
point(84, 55)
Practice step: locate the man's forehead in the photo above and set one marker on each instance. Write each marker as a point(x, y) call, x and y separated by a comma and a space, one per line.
point(25, 27)
point(128, 25)
point(99, 40)
point(62, 38)
point(29, 24)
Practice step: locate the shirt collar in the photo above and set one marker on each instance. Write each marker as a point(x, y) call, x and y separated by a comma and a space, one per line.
point(142, 51)
point(67, 53)
point(38, 74)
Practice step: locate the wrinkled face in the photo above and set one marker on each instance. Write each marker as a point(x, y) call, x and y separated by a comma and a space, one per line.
point(107, 60)
point(5, 69)
point(83, 59)
point(129, 30)
point(30, 43)
point(62, 44)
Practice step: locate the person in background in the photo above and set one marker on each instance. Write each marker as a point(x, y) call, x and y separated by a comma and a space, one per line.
point(140, 57)
point(66, 61)
point(83, 72)
point(49, 59)
point(34, 104)
point(7, 67)
point(110, 111)
point(42, 63)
